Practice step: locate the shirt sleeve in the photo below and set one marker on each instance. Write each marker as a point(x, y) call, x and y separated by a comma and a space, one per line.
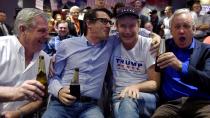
point(55, 82)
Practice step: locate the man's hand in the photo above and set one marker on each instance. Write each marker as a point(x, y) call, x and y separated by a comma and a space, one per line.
point(155, 44)
point(11, 114)
point(169, 59)
point(130, 91)
point(30, 90)
point(65, 97)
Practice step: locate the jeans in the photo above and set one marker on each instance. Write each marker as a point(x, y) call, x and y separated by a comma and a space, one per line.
point(143, 107)
point(76, 110)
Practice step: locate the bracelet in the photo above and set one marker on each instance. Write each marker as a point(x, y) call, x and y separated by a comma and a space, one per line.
point(21, 112)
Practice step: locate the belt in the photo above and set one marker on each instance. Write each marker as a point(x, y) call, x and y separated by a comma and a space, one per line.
point(85, 99)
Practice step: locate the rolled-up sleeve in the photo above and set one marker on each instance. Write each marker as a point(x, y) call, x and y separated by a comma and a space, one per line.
point(60, 62)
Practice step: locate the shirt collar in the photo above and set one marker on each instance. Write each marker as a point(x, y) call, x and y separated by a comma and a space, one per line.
point(101, 44)
point(190, 47)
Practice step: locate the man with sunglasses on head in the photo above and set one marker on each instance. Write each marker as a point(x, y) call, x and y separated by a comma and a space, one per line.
point(90, 53)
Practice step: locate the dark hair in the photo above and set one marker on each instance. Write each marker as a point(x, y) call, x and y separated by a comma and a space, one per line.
point(116, 7)
point(196, 2)
point(91, 14)
point(2, 11)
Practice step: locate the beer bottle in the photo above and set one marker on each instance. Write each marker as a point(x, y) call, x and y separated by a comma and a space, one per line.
point(74, 85)
point(41, 76)
point(161, 50)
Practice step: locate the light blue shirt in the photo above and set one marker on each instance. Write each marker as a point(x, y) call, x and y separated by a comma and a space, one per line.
point(92, 61)
point(52, 46)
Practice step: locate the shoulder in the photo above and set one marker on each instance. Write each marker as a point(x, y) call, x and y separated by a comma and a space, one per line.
point(5, 40)
point(144, 40)
point(72, 42)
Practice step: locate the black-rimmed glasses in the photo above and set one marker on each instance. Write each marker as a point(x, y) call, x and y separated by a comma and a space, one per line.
point(104, 21)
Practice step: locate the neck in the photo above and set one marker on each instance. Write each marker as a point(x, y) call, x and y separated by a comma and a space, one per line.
point(28, 53)
point(74, 19)
point(93, 39)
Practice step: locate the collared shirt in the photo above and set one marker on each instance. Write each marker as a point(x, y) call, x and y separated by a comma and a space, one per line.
point(13, 71)
point(173, 87)
point(92, 61)
point(52, 45)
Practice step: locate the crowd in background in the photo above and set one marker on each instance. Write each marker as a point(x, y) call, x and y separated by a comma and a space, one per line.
point(74, 23)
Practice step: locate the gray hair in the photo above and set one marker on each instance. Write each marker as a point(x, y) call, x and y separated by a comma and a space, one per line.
point(179, 12)
point(73, 8)
point(26, 17)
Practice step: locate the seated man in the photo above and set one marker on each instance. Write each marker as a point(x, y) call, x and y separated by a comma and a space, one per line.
point(63, 33)
point(20, 92)
point(135, 79)
point(90, 53)
point(185, 80)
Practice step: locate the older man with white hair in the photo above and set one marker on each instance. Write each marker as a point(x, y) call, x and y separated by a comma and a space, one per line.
point(75, 25)
point(20, 92)
point(185, 78)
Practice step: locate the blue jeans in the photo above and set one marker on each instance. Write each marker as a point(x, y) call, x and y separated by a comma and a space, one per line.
point(135, 108)
point(76, 110)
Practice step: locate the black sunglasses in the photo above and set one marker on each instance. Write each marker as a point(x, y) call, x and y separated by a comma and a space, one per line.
point(103, 20)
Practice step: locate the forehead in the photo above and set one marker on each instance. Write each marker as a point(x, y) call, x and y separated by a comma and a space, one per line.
point(65, 24)
point(127, 18)
point(167, 8)
point(196, 5)
point(40, 22)
point(182, 19)
point(2, 14)
point(101, 14)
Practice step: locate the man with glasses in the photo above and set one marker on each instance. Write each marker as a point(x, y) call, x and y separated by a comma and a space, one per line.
point(135, 80)
point(90, 53)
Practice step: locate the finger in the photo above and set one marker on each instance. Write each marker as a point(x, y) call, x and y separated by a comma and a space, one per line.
point(134, 95)
point(138, 95)
point(130, 93)
point(66, 101)
point(31, 89)
point(35, 83)
point(165, 63)
point(122, 94)
point(69, 96)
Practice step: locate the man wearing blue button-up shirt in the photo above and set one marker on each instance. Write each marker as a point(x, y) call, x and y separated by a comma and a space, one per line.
point(63, 33)
point(186, 72)
point(90, 53)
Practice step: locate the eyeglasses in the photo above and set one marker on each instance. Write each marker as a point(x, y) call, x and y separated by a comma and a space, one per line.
point(104, 20)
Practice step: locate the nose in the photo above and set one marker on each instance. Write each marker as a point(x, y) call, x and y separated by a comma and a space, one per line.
point(181, 30)
point(108, 24)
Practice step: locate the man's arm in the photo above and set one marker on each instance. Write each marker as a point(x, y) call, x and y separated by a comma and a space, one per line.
point(151, 85)
point(29, 90)
point(199, 76)
point(23, 110)
point(55, 87)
